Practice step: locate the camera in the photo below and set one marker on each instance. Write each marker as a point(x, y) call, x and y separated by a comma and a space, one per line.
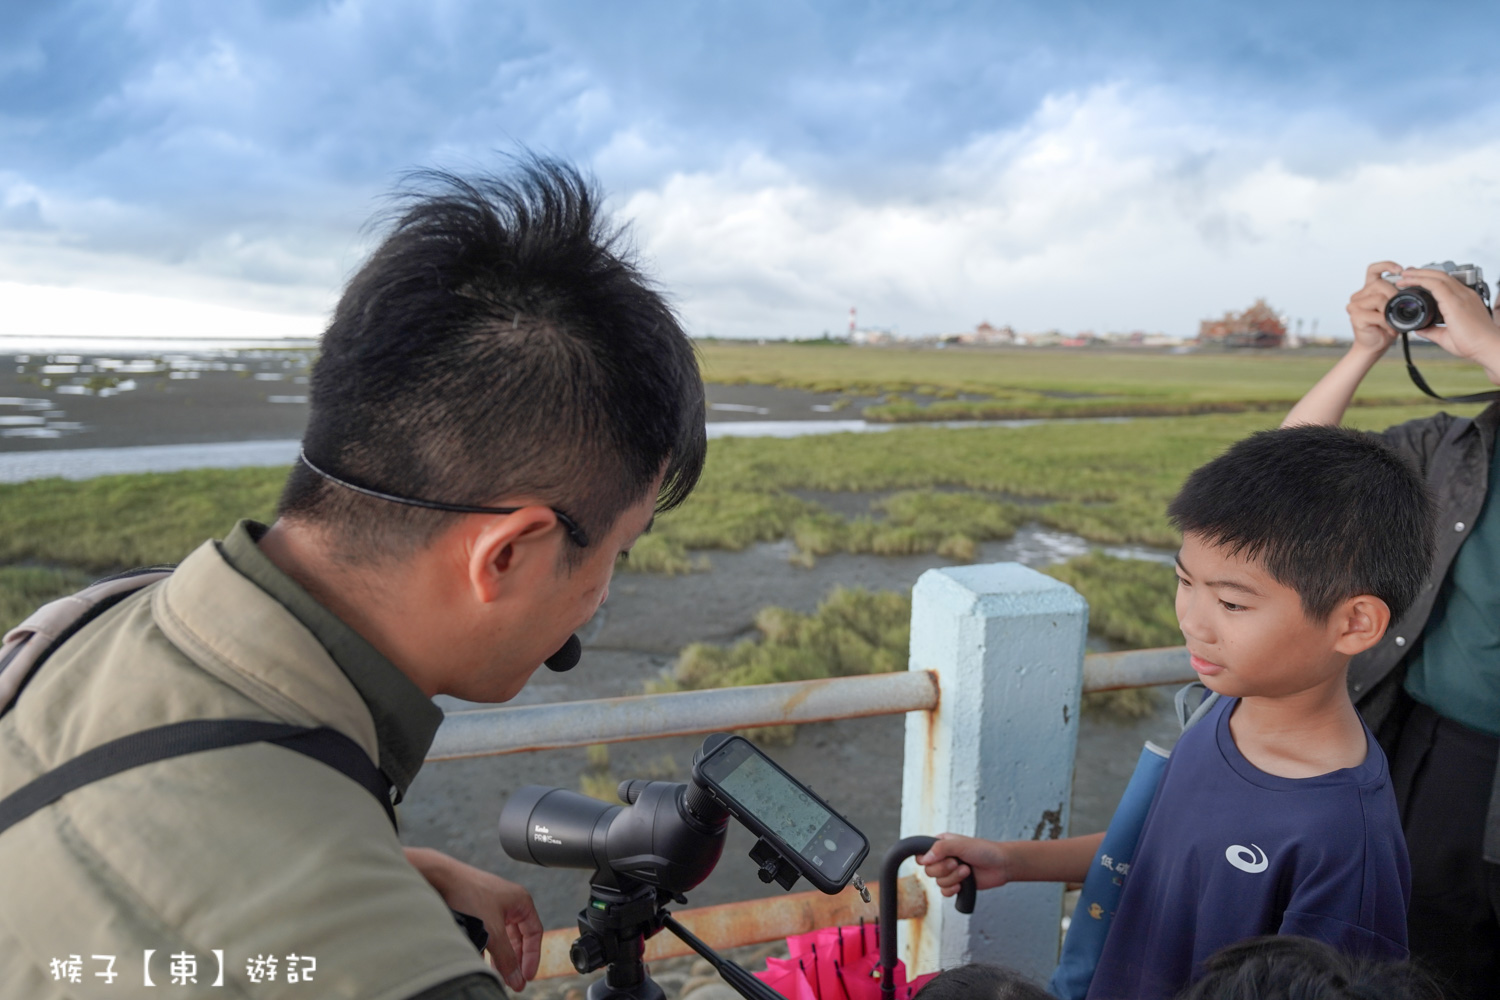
point(1415, 309)
point(665, 841)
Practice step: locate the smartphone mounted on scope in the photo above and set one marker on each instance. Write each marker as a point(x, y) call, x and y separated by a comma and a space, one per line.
point(799, 833)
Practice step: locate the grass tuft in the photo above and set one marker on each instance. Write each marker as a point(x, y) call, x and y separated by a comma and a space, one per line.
point(1050, 382)
point(857, 631)
point(1130, 600)
point(853, 631)
point(120, 522)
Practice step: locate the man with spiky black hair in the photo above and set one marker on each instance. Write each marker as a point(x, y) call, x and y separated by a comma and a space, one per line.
point(501, 404)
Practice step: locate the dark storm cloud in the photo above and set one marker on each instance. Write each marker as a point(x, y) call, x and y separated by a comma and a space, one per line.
point(183, 132)
point(171, 100)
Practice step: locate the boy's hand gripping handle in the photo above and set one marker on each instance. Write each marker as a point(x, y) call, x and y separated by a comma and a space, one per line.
point(899, 852)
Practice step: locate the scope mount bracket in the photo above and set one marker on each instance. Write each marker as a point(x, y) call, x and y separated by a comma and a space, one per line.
point(774, 866)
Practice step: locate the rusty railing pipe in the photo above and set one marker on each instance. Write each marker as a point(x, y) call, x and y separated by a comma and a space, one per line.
point(490, 731)
point(1136, 668)
point(493, 731)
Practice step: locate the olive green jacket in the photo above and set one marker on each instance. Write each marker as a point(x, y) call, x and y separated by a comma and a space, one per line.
point(252, 851)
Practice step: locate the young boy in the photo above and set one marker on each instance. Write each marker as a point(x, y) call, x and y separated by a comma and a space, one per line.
point(1275, 813)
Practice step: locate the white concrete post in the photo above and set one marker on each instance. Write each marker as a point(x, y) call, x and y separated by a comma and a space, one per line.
point(995, 758)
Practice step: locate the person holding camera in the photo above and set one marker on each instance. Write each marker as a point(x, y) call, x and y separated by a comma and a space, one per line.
point(500, 404)
point(1431, 688)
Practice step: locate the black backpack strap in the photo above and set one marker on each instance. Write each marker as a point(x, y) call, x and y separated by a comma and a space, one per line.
point(180, 738)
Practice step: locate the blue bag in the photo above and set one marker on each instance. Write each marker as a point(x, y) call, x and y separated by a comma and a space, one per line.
point(1106, 878)
point(1100, 896)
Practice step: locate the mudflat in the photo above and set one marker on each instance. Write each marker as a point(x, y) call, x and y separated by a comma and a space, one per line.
point(67, 401)
point(94, 400)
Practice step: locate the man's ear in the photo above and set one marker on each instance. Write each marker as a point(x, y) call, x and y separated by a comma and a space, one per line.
point(1361, 621)
point(503, 544)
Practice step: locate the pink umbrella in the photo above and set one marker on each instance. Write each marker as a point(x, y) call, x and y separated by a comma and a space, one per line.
point(835, 963)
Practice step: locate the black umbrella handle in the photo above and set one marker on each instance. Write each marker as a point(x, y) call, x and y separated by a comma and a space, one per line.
point(899, 852)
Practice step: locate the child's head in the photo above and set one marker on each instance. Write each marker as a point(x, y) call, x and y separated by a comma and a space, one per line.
point(1299, 547)
point(1293, 968)
point(981, 982)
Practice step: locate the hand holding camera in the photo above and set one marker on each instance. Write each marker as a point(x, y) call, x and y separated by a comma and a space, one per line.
point(1449, 304)
point(1446, 303)
point(1367, 308)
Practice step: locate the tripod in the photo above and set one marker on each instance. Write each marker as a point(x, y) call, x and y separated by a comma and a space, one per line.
point(613, 929)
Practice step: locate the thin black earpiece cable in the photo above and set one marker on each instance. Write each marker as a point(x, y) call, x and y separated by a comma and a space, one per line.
point(571, 526)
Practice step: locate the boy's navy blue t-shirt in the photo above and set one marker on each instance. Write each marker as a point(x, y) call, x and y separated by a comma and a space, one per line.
point(1229, 852)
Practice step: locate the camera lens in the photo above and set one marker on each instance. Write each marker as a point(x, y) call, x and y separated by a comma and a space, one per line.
point(1412, 309)
point(1408, 312)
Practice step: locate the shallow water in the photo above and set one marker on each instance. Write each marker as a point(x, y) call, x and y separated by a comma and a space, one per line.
point(86, 463)
point(222, 408)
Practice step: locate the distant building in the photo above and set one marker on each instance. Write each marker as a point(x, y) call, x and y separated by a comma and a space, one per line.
point(1139, 338)
point(1258, 326)
point(986, 333)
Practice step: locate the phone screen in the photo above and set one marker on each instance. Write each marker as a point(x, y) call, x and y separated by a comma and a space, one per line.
point(800, 821)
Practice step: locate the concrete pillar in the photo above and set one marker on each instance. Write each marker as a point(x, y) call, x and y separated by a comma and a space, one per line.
point(995, 758)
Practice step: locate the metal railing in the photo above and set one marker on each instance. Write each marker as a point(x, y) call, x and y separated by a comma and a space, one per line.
point(488, 732)
point(1002, 644)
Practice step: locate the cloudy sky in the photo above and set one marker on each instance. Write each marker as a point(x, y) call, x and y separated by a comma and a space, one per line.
point(188, 168)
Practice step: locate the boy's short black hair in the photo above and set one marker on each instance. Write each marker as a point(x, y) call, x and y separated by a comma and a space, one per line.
point(499, 342)
point(1329, 512)
point(978, 981)
point(1280, 966)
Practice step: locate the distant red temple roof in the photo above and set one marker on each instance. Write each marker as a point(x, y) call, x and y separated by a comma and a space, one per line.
point(1258, 326)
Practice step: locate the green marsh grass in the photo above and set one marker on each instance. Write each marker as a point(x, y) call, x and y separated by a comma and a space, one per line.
point(1130, 600)
point(1130, 604)
point(937, 490)
point(1108, 482)
point(1041, 382)
point(856, 631)
point(57, 535)
point(120, 522)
